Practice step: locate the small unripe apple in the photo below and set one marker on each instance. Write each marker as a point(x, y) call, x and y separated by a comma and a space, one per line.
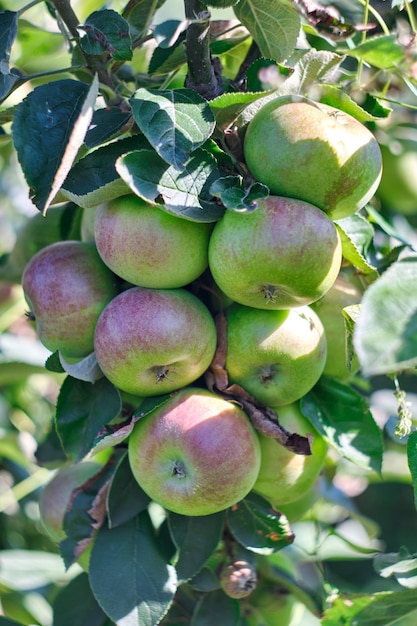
point(152, 341)
point(329, 309)
point(56, 495)
point(269, 605)
point(197, 454)
point(314, 152)
point(238, 579)
point(147, 246)
point(285, 476)
point(276, 356)
point(286, 253)
point(66, 286)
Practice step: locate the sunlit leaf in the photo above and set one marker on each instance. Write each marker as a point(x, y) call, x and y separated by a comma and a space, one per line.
point(385, 337)
point(274, 24)
point(383, 51)
point(175, 122)
point(356, 235)
point(379, 609)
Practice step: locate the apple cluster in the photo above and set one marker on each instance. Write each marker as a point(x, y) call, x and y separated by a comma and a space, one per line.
point(129, 295)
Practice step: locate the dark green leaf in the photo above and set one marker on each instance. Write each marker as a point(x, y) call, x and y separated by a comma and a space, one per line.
point(125, 498)
point(375, 107)
point(75, 604)
point(53, 363)
point(235, 197)
point(143, 589)
point(94, 178)
point(82, 410)
point(175, 122)
point(274, 24)
point(85, 513)
point(196, 538)
point(8, 32)
point(342, 416)
point(380, 609)
point(257, 526)
point(216, 608)
point(112, 436)
point(106, 124)
point(140, 13)
point(385, 337)
point(184, 193)
point(48, 129)
point(412, 461)
point(205, 580)
point(166, 34)
point(382, 51)
point(149, 404)
point(107, 33)
point(167, 60)
point(6, 621)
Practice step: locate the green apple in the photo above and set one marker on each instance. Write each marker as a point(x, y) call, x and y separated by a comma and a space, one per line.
point(152, 341)
point(87, 225)
point(276, 356)
point(269, 605)
point(147, 246)
point(66, 286)
point(398, 187)
point(197, 454)
point(329, 309)
point(313, 152)
point(286, 253)
point(295, 510)
point(285, 476)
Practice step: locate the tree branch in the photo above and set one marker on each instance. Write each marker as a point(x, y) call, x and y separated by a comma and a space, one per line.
point(204, 72)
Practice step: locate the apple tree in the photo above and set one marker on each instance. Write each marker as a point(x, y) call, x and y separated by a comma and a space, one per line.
point(208, 311)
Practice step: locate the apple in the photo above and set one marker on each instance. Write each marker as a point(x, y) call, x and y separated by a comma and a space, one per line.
point(149, 247)
point(398, 187)
point(297, 509)
point(276, 356)
point(284, 476)
point(238, 579)
point(269, 605)
point(286, 253)
point(314, 152)
point(197, 454)
point(66, 286)
point(87, 224)
point(152, 341)
point(329, 309)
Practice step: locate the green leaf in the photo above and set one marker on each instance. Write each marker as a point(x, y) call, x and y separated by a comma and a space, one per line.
point(404, 570)
point(274, 25)
point(196, 538)
point(125, 499)
point(235, 197)
point(85, 610)
point(175, 122)
point(315, 66)
point(342, 416)
point(412, 461)
point(229, 106)
point(94, 178)
point(140, 13)
point(82, 410)
point(385, 337)
point(144, 587)
point(106, 124)
point(356, 235)
point(87, 369)
point(257, 526)
point(336, 97)
point(24, 570)
point(107, 33)
point(216, 608)
point(167, 34)
point(48, 129)
point(185, 194)
point(382, 52)
point(168, 60)
point(5, 621)
point(8, 32)
point(380, 609)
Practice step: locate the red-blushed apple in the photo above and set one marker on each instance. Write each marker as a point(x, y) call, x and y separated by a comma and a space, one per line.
point(329, 309)
point(152, 341)
point(276, 356)
point(149, 247)
point(313, 152)
point(197, 454)
point(286, 253)
point(285, 476)
point(66, 286)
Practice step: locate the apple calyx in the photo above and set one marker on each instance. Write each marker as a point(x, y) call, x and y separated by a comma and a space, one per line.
point(161, 372)
point(179, 470)
point(270, 292)
point(238, 579)
point(266, 375)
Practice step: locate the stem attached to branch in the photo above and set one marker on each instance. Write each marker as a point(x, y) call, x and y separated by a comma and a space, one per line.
point(204, 72)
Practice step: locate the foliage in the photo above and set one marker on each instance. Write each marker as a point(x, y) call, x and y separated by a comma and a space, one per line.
point(99, 101)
